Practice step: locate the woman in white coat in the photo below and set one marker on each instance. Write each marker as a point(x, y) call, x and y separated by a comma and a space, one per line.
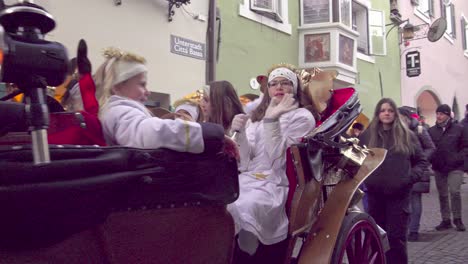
point(121, 91)
point(276, 124)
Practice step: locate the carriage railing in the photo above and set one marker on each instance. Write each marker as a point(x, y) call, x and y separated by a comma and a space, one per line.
point(341, 164)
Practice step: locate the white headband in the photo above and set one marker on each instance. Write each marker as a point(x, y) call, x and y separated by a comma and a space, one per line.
point(286, 73)
point(125, 70)
point(191, 109)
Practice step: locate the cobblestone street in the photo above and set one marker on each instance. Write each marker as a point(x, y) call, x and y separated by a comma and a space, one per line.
point(439, 247)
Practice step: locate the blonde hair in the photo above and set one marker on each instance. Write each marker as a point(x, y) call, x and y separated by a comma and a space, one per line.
point(106, 74)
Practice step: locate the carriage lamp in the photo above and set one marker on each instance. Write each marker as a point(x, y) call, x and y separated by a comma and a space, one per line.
point(408, 31)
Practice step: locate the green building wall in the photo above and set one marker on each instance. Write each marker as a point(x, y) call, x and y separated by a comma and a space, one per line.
point(249, 48)
point(369, 85)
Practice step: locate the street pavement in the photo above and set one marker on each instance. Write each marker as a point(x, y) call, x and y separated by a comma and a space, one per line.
point(439, 247)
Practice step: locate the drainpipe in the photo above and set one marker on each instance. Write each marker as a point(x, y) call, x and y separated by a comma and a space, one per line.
point(211, 35)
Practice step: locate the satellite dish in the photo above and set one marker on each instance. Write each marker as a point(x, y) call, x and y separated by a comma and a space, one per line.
point(437, 29)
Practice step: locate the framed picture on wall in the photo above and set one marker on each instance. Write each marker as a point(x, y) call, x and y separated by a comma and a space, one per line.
point(346, 55)
point(316, 47)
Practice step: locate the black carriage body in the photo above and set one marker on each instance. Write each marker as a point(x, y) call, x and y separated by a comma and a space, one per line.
point(46, 203)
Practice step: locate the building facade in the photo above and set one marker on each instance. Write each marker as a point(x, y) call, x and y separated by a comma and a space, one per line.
point(176, 51)
point(347, 36)
point(443, 73)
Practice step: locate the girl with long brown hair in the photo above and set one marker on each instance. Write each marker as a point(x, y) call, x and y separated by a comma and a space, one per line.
point(220, 103)
point(388, 187)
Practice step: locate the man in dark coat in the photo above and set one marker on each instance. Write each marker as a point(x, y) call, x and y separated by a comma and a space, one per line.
point(423, 185)
point(464, 122)
point(451, 141)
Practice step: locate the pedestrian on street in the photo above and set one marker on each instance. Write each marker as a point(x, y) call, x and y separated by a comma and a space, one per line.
point(464, 122)
point(422, 186)
point(451, 141)
point(389, 186)
point(422, 121)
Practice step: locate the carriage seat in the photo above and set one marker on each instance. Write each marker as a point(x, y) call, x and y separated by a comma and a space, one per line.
point(46, 203)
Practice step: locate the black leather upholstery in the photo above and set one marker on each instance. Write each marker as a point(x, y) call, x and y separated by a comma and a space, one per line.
point(43, 204)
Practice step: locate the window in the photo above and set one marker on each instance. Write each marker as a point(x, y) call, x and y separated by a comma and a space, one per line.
point(360, 24)
point(271, 13)
point(426, 7)
point(345, 12)
point(354, 14)
point(268, 8)
point(316, 11)
point(448, 11)
point(464, 34)
point(377, 32)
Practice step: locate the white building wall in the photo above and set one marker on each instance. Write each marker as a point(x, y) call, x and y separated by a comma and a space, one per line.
point(444, 64)
point(140, 26)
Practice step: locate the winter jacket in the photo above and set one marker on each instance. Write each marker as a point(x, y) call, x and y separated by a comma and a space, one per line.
point(464, 121)
point(428, 148)
point(398, 172)
point(451, 147)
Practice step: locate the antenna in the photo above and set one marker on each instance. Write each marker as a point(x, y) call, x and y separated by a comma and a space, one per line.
point(437, 29)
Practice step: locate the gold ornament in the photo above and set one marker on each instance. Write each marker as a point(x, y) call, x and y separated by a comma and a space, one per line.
point(113, 52)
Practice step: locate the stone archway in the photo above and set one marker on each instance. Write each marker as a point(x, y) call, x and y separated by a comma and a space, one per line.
point(427, 103)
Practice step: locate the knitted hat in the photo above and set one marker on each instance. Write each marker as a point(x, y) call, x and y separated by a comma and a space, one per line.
point(358, 126)
point(286, 73)
point(445, 109)
point(126, 65)
point(127, 69)
point(190, 108)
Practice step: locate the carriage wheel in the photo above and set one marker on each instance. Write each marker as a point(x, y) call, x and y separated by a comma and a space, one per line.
point(358, 241)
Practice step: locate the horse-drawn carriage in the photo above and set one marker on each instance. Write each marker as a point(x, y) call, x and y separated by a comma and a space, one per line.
point(95, 204)
point(74, 201)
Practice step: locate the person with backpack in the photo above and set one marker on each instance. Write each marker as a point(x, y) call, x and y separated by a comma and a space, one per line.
point(422, 186)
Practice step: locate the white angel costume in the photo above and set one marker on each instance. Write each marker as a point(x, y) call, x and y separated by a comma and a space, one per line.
point(260, 208)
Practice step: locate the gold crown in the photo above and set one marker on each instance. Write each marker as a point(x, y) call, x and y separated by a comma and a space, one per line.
point(113, 52)
point(282, 65)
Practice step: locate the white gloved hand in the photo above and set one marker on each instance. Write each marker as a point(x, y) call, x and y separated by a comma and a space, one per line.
point(277, 108)
point(238, 122)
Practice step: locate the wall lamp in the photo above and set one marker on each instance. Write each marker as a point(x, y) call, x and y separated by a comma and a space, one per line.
point(408, 31)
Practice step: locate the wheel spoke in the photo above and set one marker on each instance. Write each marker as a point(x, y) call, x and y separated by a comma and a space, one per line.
point(367, 244)
point(358, 245)
point(373, 258)
point(350, 253)
point(361, 244)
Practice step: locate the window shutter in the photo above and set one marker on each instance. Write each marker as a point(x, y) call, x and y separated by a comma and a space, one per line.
point(442, 10)
point(463, 33)
point(377, 32)
point(452, 20)
point(431, 8)
point(279, 11)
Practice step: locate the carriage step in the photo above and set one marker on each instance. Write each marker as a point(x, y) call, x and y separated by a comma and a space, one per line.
point(384, 239)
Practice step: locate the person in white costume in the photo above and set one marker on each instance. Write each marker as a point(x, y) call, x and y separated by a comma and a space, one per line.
point(277, 123)
point(121, 91)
